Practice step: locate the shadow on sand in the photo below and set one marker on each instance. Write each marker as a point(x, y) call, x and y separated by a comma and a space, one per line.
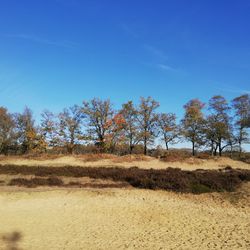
point(12, 240)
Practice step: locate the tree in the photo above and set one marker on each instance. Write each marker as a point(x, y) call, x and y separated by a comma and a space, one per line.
point(70, 121)
point(147, 120)
point(98, 114)
point(6, 130)
point(221, 124)
point(168, 128)
point(26, 131)
point(241, 105)
point(192, 123)
point(210, 133)
point(131, 128)
point(115, 132)
point(49, 128)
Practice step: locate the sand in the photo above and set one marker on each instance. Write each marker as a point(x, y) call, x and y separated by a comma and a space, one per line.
point(146, 163)
point(45, 218)
point(122, 218)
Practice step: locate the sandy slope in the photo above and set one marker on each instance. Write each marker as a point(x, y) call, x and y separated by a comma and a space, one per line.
point(147, 163)
point(121, 219)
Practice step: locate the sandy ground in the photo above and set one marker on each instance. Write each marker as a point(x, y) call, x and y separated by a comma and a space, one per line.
point(122, 218)
point(45, 218)
point(147, 163)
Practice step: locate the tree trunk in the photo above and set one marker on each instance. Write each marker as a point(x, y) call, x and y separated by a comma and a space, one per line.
point(240, 140)
point(101, 144)
point(130, 150)
point(166, 145)
point(220, 150)
point(193, 149)
point(215, 150)
point(131, 147)
point(70, 148)
point(4, 149)
point(212, 149)
point(145, 146)
point(240, 149)
point(71, 144)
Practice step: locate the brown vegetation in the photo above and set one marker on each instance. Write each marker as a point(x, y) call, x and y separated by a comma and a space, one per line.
point(95, 157)
point(174, 179)
point(131, 158)
point(34, 182)
point(55, 181)
point(175, 155)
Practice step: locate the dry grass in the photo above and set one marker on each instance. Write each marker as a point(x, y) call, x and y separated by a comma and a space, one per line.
point(106, 160)
point(113, 158)
point(131, 158)
point(95, 157)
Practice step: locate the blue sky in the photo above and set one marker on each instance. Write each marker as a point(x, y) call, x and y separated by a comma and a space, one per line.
point(56, 53)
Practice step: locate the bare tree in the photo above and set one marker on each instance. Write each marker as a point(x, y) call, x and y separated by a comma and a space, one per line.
point(26, 130)
point(7, 135)
point(210, 134)
point(241, 106)
point(98, 114)
point(49, 128)
point(70, 121)
point(131, 128)
point(168, 128)
point(147, 120)
point(221, 123)
point(192, 123)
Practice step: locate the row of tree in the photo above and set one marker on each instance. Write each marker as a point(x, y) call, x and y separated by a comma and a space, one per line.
point(222, 126)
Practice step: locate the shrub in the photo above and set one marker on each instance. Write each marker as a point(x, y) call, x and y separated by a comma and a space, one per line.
point(34, 182)
point(175, 155)
point(167, 179)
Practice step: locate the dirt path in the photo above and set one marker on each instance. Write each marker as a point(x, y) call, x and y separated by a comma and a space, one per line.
point(121, 219)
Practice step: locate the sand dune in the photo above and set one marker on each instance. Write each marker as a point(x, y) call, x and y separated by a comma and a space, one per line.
point(147, 162)
point(122, 219)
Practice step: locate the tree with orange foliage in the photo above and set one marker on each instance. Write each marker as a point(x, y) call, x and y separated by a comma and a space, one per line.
point(115, 132)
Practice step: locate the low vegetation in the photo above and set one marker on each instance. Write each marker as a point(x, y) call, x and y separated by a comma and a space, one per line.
point(34, 182)
point(174, 179)
point(56, 181)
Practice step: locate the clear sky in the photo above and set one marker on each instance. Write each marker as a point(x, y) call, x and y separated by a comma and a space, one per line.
point(55, 53)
